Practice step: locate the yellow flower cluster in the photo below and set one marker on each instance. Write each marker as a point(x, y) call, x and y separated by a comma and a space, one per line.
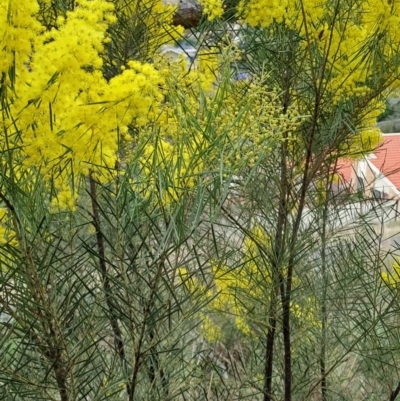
point(210, 331)
point(171, 157)
point(262, 13)
point(363, 143)
point(367, 136)
point(67, 115)
point(240, 290)
point(5, 234)
point(338, 33)
point(171, 169)
point(335, 44)
point(18, 29)
point(212, 8)
point(306, 315)
point(392, 279)
point(310, 14)
point(211, 121)
point(265, 12)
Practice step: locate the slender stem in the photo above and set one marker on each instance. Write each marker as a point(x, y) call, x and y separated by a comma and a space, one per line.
point(323, 306)
point(139, 354)
point(395, 393)
point(61, 375)
point(280, 239)
point(269, 356)
point(155, 371)
point(118, 338)
point(285, 296)
point(54, 348)
point(275, 272)
point(325, 210)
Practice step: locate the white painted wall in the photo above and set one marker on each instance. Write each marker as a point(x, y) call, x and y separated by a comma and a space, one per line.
point(383, 183)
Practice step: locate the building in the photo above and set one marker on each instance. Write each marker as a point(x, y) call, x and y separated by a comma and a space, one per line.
point(376, 175)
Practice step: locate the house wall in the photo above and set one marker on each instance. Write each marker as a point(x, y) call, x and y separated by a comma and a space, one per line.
point(377, 181)
point(370, 179)
point(353, 179)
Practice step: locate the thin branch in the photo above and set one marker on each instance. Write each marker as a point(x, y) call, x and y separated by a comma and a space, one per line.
point(118, 338)
point(395, 393)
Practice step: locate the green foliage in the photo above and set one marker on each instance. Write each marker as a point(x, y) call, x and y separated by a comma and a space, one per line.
point(171, 233)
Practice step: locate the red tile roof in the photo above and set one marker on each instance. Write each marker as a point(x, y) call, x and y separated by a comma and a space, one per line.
point(344, 168)
point(387, 158)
